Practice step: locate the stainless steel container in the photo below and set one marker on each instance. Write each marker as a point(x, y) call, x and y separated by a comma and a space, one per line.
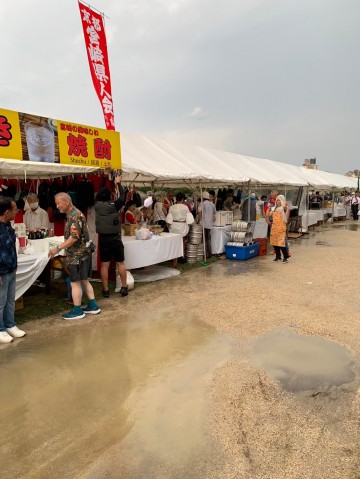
point(195, 234)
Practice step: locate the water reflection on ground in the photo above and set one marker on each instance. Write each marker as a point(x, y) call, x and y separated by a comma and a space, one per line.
point(303, 363)
point(128, 398)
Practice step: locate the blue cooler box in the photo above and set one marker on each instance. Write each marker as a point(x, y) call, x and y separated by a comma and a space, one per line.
point(242, 253)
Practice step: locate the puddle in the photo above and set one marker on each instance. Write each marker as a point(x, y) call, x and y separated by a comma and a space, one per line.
point(322, 243)
point(259, 265)
point(349, 227)
point(303, 363)
point(125, 400)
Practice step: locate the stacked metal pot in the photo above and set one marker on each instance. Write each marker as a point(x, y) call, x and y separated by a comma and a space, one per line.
point(195, 247)
point(240, 234)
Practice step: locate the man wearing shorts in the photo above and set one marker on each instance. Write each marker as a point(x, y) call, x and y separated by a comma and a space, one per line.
point(108, 227)
point(79, 249)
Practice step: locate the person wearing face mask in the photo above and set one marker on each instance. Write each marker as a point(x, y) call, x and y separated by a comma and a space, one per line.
point(35, 218)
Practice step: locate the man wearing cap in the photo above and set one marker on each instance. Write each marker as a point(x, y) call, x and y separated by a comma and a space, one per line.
point(354, 206)
point(347, 203)
point(207, 216)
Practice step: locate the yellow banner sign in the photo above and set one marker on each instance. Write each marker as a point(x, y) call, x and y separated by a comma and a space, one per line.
point(10, 136)
point(33, 138)
point(88, 146)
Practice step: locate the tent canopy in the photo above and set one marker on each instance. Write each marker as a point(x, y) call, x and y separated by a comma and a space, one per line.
point(322, 180)
point(35, 170)
point(155, 161)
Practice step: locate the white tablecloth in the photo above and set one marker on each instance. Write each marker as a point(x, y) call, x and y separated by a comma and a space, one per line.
point(43, 245)
point(219, 238)
point(161, 248)
point(29, 268)
point(338, 211)
point(311, 217)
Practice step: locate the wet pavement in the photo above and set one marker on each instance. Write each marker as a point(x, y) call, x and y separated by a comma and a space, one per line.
point(129, 399)
point(125, 395)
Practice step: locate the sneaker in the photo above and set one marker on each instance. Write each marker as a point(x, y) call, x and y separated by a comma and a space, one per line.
point(15, 332)
point(106, 293)
point(277, 259)
point(124, 291)
point(93, 310)
point(5, 337)
point(74, 314)
point(285, 260)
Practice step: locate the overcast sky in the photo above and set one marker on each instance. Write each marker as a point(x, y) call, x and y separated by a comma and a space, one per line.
point(277, 79)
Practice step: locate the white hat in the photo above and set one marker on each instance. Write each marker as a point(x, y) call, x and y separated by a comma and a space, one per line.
point(148, 201)
point(205, 195)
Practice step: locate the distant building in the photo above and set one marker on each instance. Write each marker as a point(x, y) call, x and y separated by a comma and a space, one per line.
point(310, 164)
point(353, 174)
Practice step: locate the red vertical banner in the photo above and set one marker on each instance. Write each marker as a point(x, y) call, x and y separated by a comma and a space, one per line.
point(96, 47)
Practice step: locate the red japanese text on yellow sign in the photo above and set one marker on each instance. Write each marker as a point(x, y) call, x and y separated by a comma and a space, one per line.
point(88, 146)
point(10, 136)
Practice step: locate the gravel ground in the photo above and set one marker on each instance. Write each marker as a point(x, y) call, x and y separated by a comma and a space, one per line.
point(268, 432)
point(271, 433)
point(263, 430)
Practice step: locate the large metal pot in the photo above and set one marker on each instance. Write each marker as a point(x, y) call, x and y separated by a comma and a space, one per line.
point(195, 234)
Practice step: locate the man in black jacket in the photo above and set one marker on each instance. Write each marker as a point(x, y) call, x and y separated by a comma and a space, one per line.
point(108, 227)
point(8, 265)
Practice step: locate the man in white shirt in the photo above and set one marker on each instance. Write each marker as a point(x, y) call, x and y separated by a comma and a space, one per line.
point(207, 215)
point(179, 217)
point(35, 218)
point(347, 203)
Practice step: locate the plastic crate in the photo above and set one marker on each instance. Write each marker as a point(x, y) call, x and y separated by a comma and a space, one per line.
point(242, 253)
point(263, 245)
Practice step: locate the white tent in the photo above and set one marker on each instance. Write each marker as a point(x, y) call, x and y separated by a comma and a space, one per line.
point(322, 179)
point(34, 170)
point(158, 162)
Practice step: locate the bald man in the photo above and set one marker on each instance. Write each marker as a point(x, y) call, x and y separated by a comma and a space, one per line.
point(79, 249)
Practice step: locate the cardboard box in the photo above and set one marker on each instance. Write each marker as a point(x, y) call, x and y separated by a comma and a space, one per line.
point(242, 253)
point(19, 303)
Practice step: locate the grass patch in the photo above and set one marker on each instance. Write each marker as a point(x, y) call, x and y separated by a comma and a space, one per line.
point(38, 305)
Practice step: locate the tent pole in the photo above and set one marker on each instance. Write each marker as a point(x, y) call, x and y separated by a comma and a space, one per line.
point(307, 206)
point(203, 227)
point(248, 205)
point(333, 205)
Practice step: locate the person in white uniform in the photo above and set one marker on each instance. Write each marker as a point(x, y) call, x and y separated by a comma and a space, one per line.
point(179, 218)
point(35, 218)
